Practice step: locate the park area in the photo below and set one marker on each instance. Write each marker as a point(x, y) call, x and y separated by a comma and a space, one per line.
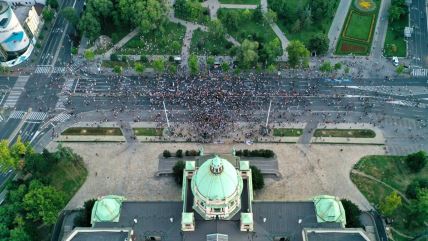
point(168, 41)
point(347, 133)
point(203, 44)
point(287, 132)
point(378, 176)
point(358, 30)
point(395, 45)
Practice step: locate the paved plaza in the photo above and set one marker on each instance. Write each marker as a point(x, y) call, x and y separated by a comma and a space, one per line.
point(129, 170)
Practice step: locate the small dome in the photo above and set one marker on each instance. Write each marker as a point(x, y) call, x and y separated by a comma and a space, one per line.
point(216, 179)
point(329, 209)
point(107, 209)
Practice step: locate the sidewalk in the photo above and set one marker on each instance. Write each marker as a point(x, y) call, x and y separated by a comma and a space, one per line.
point(336, 25)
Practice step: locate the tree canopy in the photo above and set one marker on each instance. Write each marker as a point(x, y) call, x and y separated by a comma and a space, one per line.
point(149, 15)
point(416, 161)
point(352, 214)
point(247, 53)
point(258, 179)
point(297, 53)
point(319, 43)
point(390, 203)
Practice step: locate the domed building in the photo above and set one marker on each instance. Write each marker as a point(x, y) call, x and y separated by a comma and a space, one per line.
point(107, 209)
point(217, 188)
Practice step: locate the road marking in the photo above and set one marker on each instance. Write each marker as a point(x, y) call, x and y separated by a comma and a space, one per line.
point(419, 72)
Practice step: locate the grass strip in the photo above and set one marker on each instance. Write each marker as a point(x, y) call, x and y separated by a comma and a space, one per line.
point(347, 133)
point(93, 131)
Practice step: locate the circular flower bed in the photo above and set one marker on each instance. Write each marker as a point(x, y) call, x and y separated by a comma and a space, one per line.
point(365, 5)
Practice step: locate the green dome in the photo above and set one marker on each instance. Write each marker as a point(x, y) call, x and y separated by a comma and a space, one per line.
point(107, 209)
point(216, 179)
point(329, 209)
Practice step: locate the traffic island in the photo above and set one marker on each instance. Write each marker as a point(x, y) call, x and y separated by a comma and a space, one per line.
point(92, 134)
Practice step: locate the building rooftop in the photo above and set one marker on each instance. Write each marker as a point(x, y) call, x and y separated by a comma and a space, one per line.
point(100, 236)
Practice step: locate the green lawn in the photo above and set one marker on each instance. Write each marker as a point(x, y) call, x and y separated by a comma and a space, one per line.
point(148, 131)
point(93, 131)
point(202, 44)
point(167, 42)
point(305, 34)
point(255, 2)
point(395, 35)
point(348, 133)
point(393, 171)
point(249, 29)
point(68, 177)
point(357, 26)
point(287, 132)
point(357, 31)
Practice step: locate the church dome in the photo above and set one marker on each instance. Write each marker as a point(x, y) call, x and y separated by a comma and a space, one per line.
point(107, 209)
point(217, 179)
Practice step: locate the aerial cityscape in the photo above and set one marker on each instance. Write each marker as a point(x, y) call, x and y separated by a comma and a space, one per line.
point(213, 120)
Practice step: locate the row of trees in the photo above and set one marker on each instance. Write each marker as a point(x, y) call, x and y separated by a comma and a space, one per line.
point(32, 201)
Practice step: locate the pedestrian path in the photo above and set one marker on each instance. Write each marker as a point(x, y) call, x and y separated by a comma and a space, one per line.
point(62, 117)
point(49, 69)
point(17, 114)
point(37, 116)
point(16, 92)
point(338, 21)
point(63, 96)
point(419, 72)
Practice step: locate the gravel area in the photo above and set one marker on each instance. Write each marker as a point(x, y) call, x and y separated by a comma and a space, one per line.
point(307, 170)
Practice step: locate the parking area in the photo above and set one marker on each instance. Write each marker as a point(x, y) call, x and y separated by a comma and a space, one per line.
point(129, 170)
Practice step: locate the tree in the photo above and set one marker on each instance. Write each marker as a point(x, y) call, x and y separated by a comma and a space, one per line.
point(178, 171)
point(399, 69)
point(166, 154)
point(258, 14)
point(149, 15)
point(271, 51)
point(416, 161)
point(390, 203)
point(418, 213)
point(225, 66)
point(297, 26)
point(247, 53)
point(210, 60)
point(270, 16)
point(89, 55)
point(90, 26)
point(159, 65)
point(139, 67)
point(48, 14)
point(415, 186)
point(193, 64)
point(352, 214)
point(258, 179)
point(326, 67)
point(118, 69)
point(337, 66)
point(7, 160)
point(179, 153)
point(322, 9)
point(100, 8)
point(19, 234)
point(397, 10)
point(43, 203)
point(53, 3)
point(70, 14)
point(319, 43)
point(216, 29)
point(297, 53)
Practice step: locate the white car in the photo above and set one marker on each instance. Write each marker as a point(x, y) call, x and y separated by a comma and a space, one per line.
point(395, 61)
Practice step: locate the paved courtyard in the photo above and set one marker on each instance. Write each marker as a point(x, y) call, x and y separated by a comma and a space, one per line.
point(129, 170)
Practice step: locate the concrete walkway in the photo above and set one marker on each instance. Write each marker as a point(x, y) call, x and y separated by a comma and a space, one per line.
point(380, 31)
point(336, 25)
point(121, 43)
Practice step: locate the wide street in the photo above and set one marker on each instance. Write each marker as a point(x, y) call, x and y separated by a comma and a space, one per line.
point(418, 46)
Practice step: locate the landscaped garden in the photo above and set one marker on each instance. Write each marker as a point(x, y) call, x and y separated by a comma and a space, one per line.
point(144, 131)
point(203, 44)
point(347, 133)
point(92, 131)
point(358, 30)
point(167, 42)
point(302, 19)
point(287, 132)
point(395, 45)
point(397, 179)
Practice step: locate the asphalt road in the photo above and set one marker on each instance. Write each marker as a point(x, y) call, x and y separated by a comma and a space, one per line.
point(418, 45)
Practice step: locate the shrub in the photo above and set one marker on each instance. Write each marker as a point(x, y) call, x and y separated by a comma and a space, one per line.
point(416, 161)
point(114, 57)
point(166, 154)
point(89, 55)
point(415, 186)
point(177, 171)
point(337, 66)
point(191, 153)
point(246, 152)
point(179, 153)
point(352, 213)
point(144, 59)
point(258, 179)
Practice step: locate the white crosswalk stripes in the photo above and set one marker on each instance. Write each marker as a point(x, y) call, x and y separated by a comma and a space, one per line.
point(61, 117)
point(37, 116)
point(49, 69)
point(16, 91)
point(419, 72)
point(17, 115)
